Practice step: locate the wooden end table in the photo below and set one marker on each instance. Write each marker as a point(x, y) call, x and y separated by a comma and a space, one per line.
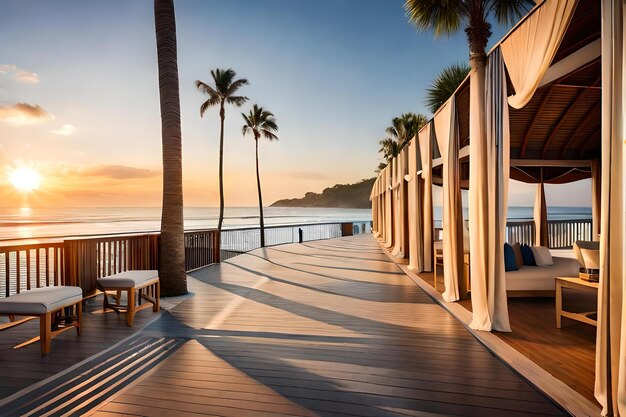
point(577, 284)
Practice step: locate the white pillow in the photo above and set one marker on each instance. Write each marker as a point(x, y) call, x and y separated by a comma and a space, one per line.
point(543, 257)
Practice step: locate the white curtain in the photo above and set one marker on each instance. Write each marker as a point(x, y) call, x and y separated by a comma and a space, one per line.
point(400, 219)
point(595, 199)
point(489, 177)
point(425, 152)
point(530, 49)
point(416, 235)
point(540, 215)
point(447, 133)
point(373, 199)
point(389, 213)
point(610, 387)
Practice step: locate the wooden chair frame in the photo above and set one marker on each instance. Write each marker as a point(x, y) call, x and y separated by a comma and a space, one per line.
point(46, 333)
point(149, 291)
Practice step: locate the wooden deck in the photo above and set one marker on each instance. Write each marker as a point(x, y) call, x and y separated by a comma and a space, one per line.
point(323, 328)
point(567, 353)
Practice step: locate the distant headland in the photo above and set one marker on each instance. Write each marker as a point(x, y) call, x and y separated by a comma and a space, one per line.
point(340, 196)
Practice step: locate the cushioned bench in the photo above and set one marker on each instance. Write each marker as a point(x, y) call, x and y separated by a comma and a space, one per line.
point(140, 285)
point(45, 303)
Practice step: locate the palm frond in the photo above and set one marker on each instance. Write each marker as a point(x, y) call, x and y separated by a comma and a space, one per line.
point(223, 79)
point(205, 88)
point(261, 122)
point(508, 12)
point(236, 100)
point(445, 85)
point(236, 85)
point(269, 135)
point(442, 16)
point(211, 102)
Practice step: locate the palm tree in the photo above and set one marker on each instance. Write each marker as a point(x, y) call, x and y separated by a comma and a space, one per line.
point(223, 93)
point(262, 124)
point(447, 17)
point(445, 85)
point(389, 148)
point(401, 131)
point(403, 128)
point(172, 246)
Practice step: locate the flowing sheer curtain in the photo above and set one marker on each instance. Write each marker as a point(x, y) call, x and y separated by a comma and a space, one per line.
point(416, 235)
point(400, 218)
point(447, 133)
point(540, 215)
point(489, 177)
point(424, 140)
point(530, 49)
point(389, 213)
point(610, 387)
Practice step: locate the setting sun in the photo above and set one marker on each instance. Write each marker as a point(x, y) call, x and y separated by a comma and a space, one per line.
point(25, 179)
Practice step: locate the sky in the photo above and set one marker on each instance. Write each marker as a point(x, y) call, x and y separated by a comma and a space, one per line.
point(79, 96)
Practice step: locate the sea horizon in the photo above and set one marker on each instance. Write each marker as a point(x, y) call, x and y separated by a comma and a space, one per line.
point(58, 222)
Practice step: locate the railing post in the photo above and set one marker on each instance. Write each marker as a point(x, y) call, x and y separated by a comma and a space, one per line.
point(80, 261)
point(346, 229)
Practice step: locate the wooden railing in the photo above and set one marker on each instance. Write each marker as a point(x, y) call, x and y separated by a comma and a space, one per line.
point(81, 261)
point(201, 249)
point(563, 233)
point(520, 231)
point(23, 267)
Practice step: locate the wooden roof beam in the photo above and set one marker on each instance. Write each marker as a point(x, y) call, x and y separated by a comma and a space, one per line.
point(561, 163)
point(582, 125)
point(559, 123)
point(544, 101)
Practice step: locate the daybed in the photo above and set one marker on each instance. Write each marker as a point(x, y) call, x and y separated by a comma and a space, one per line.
point(538, 281)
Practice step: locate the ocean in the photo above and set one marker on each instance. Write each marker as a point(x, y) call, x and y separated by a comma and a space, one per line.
point(21, 223)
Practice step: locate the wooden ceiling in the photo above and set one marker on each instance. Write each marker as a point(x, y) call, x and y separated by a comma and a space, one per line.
point(562, 120)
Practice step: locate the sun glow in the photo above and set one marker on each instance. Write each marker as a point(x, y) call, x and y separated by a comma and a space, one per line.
point(25, 179)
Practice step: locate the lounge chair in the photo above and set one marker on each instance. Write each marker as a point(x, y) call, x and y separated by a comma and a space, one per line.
point(142, 285)
point(45, 303)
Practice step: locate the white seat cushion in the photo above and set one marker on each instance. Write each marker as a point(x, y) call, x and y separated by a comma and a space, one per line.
point(41, 300)
point(128, 279)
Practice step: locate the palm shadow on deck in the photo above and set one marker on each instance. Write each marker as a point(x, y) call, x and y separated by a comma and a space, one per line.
point(339, 353)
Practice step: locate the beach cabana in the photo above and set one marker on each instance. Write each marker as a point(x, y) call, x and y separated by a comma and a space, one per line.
point(548, 84)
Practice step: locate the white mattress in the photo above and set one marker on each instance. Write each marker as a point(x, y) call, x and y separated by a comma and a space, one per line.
point(541, 278)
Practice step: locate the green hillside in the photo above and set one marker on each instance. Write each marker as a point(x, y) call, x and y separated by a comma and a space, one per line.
point(340, 195)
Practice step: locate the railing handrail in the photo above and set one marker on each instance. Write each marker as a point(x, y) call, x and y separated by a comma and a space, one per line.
point(61, 238)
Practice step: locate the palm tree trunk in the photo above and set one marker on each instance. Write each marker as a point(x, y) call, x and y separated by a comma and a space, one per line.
point(258, 184)
point(221, 176)
point(172, 245)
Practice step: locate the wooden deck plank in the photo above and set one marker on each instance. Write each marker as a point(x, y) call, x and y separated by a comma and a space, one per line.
point(332, 328)
point(328, 328)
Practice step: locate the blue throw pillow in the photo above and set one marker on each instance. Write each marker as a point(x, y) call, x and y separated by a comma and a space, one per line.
point(528, 256)
point(510, 263)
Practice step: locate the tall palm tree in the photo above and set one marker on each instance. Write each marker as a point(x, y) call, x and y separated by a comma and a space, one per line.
point(447, 17)
point(172, 247)
point(224, 92)
point(445, 85)
point(401, 131)
point(262, 124)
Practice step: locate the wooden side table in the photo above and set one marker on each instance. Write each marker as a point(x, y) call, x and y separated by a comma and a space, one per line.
point(577, 284)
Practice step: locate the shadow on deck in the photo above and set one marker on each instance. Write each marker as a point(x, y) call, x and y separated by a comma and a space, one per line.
point(323, 328)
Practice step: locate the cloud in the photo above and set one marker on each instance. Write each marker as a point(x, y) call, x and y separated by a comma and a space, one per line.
point(21, 75)
point(65, 130)
point(118, 172)
point(22, 114)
